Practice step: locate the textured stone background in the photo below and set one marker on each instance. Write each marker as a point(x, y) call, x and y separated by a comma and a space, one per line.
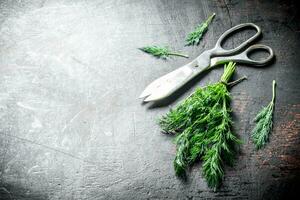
point(71, 126)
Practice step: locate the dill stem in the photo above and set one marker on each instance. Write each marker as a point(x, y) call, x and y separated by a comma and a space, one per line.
point(228, 71)
point(233, 83)
point(178, 54)
point(273, 91)
point(210, 18)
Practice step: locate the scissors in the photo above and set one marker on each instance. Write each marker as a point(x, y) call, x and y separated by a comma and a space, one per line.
point(169, 83)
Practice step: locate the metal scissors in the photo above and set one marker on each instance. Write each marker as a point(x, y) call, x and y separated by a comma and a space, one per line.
point(169, 83)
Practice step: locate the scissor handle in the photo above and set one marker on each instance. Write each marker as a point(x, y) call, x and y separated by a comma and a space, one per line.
point(244, 58)
point(220, 51)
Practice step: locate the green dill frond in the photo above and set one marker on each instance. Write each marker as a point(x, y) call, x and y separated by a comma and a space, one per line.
point(213, 166)
point(264, 122)
point(194, 37)
point(202, 124)
point(180, 161)
point(161, 52)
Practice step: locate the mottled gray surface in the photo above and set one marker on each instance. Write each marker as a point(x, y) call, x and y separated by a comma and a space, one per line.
point(71, 126)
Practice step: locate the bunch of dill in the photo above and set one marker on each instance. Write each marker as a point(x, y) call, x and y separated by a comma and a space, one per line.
point(202, 124)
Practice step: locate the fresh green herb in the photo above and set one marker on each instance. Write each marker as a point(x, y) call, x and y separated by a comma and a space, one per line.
point(202, 123)
point(194, 37)
point(161, 52)
point(264, 123)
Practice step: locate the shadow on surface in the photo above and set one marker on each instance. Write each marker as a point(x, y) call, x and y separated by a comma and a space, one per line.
point(15, 191)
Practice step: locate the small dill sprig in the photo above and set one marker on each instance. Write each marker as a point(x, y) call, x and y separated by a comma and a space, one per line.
point(264, 122)
point(203, 123)
point(194, 37)
point(161, 52)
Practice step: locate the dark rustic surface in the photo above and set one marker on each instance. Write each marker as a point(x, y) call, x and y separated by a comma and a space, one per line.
point(71, 126)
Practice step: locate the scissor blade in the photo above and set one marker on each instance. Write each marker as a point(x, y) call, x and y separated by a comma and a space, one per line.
point(148, 90)
point(165, 85)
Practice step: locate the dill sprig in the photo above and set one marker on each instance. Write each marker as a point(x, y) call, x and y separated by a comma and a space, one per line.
point(161, 52)
point(194, 37)
point(203, 123)
point(264, 122)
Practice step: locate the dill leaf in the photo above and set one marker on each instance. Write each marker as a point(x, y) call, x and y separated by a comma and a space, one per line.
point(264, 122)
point(161, 52)
point(194, 37)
